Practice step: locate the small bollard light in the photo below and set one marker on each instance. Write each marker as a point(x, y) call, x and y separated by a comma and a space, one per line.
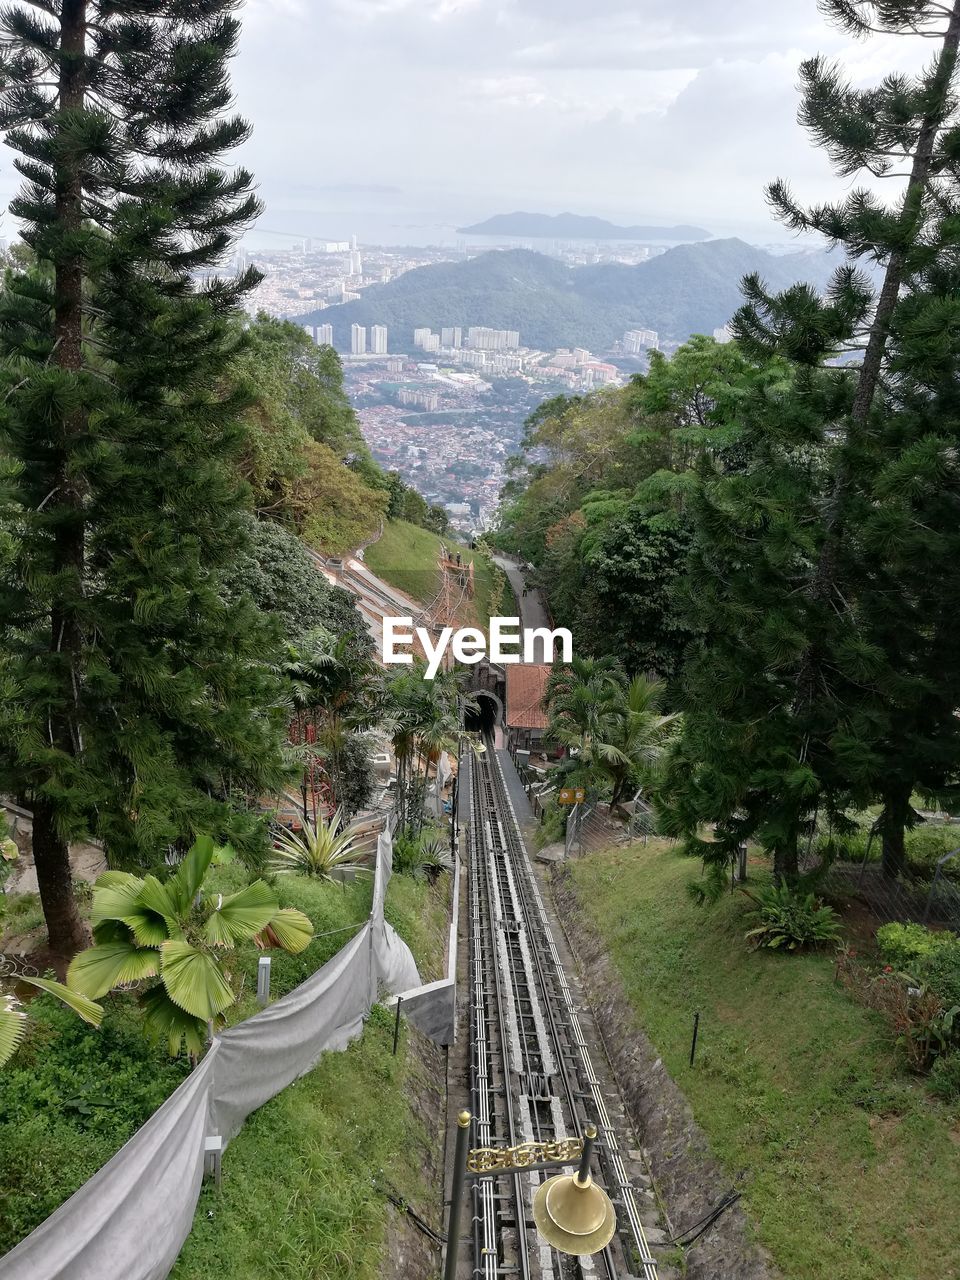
point(212, 1154)
point(263, 980)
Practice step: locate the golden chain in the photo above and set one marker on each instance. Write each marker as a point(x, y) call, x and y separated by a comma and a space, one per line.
point(507, 1159)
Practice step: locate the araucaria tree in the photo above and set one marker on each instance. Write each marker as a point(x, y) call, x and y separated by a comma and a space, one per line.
point(825, 677)
point(135, 701)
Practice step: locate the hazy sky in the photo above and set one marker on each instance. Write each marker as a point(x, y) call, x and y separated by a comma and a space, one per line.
point(661, 109)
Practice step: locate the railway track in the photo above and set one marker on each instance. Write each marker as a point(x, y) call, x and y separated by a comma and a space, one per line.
point(531, 1073)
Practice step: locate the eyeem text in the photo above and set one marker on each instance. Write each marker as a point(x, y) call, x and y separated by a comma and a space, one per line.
point(509, 642)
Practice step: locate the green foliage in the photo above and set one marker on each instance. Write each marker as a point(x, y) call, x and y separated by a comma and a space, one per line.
point(930, 956)
point(135, 703)
point(945, 1077)
point(610, 725)
point(796, 1086)
point(70, 1098)
point(788, 919)
point(323, 849)
point(689, 289)
point(903, 945)
point(146, 928)
point(420, 856)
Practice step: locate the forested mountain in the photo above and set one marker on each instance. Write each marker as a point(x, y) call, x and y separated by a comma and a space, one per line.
point(688, 289)
point(575, 226)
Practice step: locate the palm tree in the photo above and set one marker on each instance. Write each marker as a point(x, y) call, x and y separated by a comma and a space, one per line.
point(424, 716)
point(640, 736)
point(339, 691)
point(147, 928)
point(13, 1016)
point(611, 725)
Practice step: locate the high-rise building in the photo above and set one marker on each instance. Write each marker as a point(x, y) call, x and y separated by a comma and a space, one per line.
point(353, 241)
point(324, 335)
point(358, 339)
point(723, 335)
point(378, 339)
point(636, 340)
point(420, 336)
point(431, 342)
point(356, 264)
point(483, 339)
point(450, 337)
point(581, 355)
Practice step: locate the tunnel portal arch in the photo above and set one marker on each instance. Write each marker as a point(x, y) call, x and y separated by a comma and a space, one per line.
point(487, 716)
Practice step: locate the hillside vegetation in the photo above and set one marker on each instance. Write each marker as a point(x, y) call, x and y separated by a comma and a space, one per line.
point(407, 557)
point(848, 1168)
point(691, 288)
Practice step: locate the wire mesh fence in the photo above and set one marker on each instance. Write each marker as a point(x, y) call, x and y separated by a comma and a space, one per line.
point(922, 895)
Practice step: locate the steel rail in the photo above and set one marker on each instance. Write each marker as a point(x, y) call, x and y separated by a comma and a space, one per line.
point(608, 1150)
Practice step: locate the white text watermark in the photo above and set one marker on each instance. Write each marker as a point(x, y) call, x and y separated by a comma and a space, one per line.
point(509, 642)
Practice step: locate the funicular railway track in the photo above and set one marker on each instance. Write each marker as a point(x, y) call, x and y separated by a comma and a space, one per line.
point(531, 1074)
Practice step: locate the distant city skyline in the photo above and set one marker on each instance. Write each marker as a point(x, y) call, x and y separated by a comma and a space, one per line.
point(459, 109)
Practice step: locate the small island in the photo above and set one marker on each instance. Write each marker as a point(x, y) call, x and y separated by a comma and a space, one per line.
point(575, 226)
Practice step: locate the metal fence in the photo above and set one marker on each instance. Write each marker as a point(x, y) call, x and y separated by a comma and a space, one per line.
point(910, 897)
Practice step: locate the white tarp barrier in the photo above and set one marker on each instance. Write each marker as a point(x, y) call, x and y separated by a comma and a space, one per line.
point(259, 1057)
point(129, 1221)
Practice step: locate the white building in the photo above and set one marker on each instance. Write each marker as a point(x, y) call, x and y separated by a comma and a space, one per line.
point(358, 340)
point(420, 336)
point(356, 264)
point(723, 335)
point(431, 342)
point(451, 337)
point(637, 340)
point(378, 339)
point(324, 335)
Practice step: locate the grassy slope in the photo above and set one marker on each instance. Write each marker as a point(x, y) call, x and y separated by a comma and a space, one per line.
point(406, 557)
point(73, 1095)
point(849, 1170)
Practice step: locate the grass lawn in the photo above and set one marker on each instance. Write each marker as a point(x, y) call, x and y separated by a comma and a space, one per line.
point(72, 1095)
point(406, 557)
point(850, 1171)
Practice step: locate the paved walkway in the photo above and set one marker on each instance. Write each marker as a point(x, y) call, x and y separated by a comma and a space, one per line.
point(533, 611)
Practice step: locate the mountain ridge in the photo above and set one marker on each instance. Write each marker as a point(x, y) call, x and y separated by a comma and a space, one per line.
point(576, 226)
point(692, 288)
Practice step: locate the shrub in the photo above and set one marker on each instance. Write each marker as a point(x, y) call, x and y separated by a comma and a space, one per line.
point(945, 1077)
point(419, 856)
point(930, 956)
point(901, 945)
point(788, 919)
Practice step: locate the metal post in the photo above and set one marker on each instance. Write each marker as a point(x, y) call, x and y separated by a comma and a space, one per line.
point(693, 1042)
point(396, 1026)
point(263, 980)
point(456, 1195)
point(589, 1138)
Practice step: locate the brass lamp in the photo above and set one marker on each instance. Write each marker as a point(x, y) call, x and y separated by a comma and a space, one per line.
point(572, 1213)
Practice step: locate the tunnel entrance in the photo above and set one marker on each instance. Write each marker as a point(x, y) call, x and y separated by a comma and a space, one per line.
point(488, 714)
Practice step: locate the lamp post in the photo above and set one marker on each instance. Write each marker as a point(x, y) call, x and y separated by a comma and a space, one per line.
point(572, 1214)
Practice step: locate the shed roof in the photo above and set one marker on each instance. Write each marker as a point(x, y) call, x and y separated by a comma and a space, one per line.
point(526, 685)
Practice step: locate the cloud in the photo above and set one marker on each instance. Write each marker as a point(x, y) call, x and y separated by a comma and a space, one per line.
point(468, 107)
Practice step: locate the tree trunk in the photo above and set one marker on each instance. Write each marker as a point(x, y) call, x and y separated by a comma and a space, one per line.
point(893, 825)
point(52, 859)
point(786, 866)
point(67, 503)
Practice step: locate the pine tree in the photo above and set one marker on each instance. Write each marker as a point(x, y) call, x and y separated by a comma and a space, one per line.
point(845, 705)
point(139, 705)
